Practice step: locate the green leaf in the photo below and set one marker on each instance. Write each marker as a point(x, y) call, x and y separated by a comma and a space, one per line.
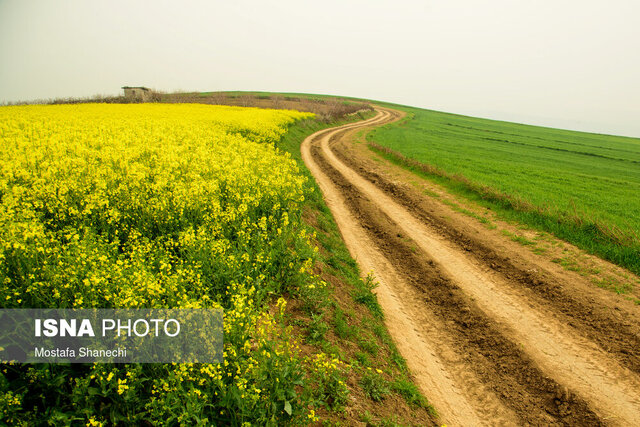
point(287, 407)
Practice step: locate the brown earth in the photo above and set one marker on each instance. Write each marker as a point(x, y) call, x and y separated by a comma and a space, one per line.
point(327, 110)
point(494, 334)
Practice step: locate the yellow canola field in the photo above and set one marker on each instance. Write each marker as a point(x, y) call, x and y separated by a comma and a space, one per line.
point(106, 205)
point(157, 205)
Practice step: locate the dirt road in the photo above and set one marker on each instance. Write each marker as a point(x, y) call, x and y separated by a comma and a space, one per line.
point(492, 335)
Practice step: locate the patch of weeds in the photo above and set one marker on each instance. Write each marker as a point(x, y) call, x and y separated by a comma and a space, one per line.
point(340, 325)
point(368, 345)
point(612, 284)
point(359, 136)
point(374, 385)
point(430, 193)
point(314, 299)
point(379, 330)
point(317, 329)
point(370, 421)
point(411, 394)
point(333, 262)
point(517, 238)
point(389, 422)
point(539, 250)
point(506, 233)
point(522, 240)
point(567, 263)
point(298, 322)
point(363, 294)
point(484, 220)
point(329, 377)
point(366, 418)
point(467, 212)
point(397, 358)
point(450, 203)
point(333, 350)
point(362, 358)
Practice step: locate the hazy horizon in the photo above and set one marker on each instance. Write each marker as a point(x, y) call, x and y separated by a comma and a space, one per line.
point(564, 64)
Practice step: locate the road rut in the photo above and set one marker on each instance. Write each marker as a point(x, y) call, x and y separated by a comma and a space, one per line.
point(481, 350)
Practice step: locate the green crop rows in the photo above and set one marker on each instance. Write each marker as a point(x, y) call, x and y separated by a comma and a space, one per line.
point(583, 187)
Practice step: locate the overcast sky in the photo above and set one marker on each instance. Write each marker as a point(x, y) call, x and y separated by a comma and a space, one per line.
point(563, 63)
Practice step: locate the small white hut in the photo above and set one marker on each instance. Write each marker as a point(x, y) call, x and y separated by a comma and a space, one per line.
point(140, 93)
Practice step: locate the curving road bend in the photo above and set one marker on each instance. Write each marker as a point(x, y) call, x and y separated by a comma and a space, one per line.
point(484, 348)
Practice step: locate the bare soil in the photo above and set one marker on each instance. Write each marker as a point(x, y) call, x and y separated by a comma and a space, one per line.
point(494, 334)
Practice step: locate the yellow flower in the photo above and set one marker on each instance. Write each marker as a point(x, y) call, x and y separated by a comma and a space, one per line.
point(122, 386)
point(140, 205)
point(93, 423)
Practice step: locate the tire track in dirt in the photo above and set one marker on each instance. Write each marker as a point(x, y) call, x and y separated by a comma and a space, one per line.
point(519, 347)
point(603, 318)
point(476, 343)
point(400, 316)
